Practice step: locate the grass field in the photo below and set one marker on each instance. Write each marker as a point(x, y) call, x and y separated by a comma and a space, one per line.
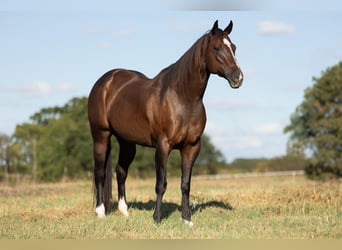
point(248, 208)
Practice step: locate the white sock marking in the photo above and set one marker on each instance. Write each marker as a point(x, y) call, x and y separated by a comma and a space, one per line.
point(100, 211)
point(123, 206)
point(189, 223)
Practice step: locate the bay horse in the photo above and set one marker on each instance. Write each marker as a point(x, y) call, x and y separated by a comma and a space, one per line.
point(165, 112)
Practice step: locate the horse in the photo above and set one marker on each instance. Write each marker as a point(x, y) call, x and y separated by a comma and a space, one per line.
point(165, 112)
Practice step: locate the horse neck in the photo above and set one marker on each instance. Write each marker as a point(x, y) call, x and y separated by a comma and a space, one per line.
point(188, 76)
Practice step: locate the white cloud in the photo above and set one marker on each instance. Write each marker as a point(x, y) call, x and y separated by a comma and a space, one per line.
point(220, 103)
point(340, 55)
point(248, 142)
point(269, 128)
point(275, 28)
point(218, 131)
point(125, 32)
point(39, 88)
point(94, 29)
point(122, 31)
point(64, 87)
point(105, 45)
point(186, 27)
point(217, 5)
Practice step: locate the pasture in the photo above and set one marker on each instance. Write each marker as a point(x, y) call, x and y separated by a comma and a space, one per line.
point(286, 207)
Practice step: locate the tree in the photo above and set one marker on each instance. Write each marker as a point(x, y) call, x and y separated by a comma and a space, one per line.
point(209, 157)
point(316, 125)
point(26, 137)
point(4, 153)
point(56, 143)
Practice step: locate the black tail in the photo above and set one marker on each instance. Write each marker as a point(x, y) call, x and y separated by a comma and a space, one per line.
point(107, 191)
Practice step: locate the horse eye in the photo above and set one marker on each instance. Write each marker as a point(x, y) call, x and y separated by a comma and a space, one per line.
point(217, 49)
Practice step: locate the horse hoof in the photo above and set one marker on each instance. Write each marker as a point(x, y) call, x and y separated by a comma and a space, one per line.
point(122, 206)
point(189, 223)
point(156, 218)
point(100, 211)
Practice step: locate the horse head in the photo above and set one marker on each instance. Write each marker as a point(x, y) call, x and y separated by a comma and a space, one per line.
point(220, 55)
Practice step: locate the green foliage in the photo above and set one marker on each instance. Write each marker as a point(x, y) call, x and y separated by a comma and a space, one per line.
point(316, 125)
point(288, 162)
point(4, 155)
point(284, 163)
point(209, 157)
point(56, 144)
point(245, 165)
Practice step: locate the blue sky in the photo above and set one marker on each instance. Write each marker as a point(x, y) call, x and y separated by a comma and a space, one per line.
point(49, 55)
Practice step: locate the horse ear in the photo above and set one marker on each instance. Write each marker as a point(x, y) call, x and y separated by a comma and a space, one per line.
point(215, 28)
point(229, 28)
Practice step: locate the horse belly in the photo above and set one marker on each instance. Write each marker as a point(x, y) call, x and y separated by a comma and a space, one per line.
point(128, 121)
point(133, 132)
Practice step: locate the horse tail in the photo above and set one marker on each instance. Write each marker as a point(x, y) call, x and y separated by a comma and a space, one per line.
point(107, 190)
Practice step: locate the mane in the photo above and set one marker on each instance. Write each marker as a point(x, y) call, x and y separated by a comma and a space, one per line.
point(180, 70)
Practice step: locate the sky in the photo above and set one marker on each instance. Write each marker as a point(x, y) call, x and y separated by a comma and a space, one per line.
point(50, 53)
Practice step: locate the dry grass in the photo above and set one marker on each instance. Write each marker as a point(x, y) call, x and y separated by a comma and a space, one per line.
point(258, 208)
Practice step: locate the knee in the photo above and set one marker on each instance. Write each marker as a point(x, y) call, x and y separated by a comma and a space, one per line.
point(185, 187)
point(161, 187)
point(100, 151)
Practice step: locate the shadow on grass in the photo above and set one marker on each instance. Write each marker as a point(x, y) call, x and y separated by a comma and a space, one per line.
point(169, 207)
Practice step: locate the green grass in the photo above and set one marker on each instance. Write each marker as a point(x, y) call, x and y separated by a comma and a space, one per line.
point(250, 208)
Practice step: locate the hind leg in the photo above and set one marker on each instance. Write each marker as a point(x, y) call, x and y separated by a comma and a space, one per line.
point(126, 156)
point(101, 150)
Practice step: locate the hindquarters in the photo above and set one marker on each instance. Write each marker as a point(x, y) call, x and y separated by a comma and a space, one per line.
point(101, 133)
point(100, 100)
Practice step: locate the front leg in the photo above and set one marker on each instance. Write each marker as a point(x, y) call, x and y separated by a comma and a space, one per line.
point(189, 154)
point(162, 153)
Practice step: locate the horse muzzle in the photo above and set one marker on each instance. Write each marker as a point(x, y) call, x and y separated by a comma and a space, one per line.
point(235, 79)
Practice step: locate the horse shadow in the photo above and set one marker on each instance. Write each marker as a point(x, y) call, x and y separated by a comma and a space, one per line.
point(169, 208)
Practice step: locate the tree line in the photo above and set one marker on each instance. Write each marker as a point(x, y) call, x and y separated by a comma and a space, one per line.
point(56, 142)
